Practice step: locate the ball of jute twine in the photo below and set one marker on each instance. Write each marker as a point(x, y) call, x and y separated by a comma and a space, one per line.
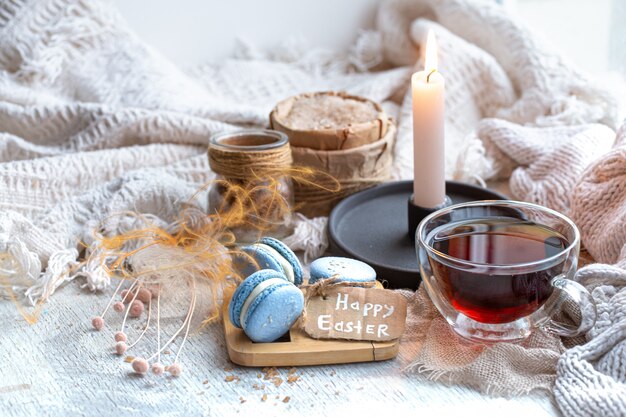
point(249, 164)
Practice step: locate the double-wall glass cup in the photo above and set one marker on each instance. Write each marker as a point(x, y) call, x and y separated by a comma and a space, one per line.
point(497, 270)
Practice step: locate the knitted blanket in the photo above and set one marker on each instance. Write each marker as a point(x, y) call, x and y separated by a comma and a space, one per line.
point(94, 122)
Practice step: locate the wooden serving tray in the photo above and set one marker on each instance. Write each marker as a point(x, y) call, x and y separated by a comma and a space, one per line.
point(299, 349)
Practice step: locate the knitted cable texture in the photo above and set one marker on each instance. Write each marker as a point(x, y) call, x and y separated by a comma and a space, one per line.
point(93, 122)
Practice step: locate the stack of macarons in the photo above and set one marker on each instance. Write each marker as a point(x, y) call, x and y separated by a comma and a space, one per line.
point(268, 302)
point(270, 253)
point(266, 305)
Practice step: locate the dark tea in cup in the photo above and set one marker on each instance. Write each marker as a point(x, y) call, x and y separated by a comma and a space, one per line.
point(492, 297)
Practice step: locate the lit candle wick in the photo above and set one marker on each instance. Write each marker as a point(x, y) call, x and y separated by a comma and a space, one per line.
point(434, 70)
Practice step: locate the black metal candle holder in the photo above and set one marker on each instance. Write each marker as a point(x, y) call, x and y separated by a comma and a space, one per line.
point(417, 213)
point(372, 226)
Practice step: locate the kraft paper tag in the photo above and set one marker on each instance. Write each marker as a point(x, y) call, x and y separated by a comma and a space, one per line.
point(356, 314)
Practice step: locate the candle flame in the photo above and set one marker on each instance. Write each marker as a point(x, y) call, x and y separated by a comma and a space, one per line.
point(430, 60)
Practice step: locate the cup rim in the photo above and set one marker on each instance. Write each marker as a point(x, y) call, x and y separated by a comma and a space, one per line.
point(431, 251)
point(280, 139)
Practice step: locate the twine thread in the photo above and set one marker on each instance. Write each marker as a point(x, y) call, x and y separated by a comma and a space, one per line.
point(324, 190)
point(246, 164)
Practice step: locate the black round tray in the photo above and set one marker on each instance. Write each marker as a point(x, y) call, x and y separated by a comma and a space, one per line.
point(372, 226)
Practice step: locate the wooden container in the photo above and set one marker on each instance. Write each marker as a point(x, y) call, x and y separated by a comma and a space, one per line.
point(329, 121)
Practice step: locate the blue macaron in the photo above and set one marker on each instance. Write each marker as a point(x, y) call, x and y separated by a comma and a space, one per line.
point(265, 305)
point(287, 254)
point(270, 253)
point(346, 269)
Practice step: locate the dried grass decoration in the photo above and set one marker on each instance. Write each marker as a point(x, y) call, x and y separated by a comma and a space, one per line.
point(165, 274)
point(179, 273)
point(183, 272)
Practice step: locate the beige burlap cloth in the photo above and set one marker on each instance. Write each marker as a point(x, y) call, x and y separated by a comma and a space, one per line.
point(431, 348)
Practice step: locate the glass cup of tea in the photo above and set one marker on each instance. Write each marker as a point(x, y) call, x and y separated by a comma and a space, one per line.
point(496, 270)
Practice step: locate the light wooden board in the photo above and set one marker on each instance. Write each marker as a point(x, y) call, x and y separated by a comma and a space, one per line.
point(59, 367)
point(301, 350)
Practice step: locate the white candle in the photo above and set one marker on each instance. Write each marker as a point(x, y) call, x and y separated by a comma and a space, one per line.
point(429, 184)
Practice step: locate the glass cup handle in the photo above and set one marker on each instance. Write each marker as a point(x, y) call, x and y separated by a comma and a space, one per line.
point(574, 299)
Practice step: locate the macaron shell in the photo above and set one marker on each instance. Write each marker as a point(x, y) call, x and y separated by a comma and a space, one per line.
point(284, 263)
point(273, 313)
point(346, 269)
point(263, 285)
point(288, 254)
point(245, 288)
point(263, 258)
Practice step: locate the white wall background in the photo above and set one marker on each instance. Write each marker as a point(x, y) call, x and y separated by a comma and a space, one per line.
point(197, 31)
point(580, 29)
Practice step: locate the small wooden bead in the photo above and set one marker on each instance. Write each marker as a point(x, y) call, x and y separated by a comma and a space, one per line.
point(140, 365)
point(144, 295)
point(154, 290)
point(118, 306)
point(120, 337)
point(120, 348)
point(136, 308)
point(127, 296)
point(174, 369)
point(97, 323)
point(158, 369)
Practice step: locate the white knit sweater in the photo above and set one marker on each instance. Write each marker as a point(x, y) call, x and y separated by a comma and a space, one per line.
point(93, 122)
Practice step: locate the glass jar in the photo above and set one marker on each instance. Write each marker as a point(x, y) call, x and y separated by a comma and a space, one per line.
point(252, 192)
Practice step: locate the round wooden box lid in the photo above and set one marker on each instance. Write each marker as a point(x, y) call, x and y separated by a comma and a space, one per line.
point(329, 120)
